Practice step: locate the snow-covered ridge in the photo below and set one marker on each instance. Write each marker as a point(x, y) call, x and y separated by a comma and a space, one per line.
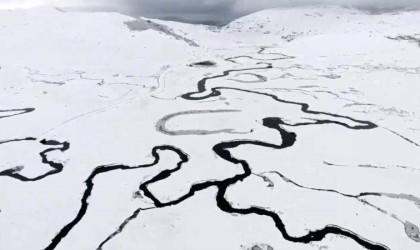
point(47, 36)
point(315, 21)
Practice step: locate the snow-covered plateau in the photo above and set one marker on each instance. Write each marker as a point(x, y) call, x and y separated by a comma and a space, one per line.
point(292, 129)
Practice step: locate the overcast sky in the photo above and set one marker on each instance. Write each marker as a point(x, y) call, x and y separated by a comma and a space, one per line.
point(202, 10)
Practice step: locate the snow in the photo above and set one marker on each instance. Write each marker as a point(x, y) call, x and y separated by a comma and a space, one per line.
point(309, 116)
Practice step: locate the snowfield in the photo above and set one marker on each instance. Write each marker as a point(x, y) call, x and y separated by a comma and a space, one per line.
point(285, 129)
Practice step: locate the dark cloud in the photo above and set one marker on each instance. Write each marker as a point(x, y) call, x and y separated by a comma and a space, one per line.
point(186, 10)
point(223, 11)
point(209, 11)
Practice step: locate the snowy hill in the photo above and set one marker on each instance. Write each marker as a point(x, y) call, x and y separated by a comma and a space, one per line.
point(286, 129)
point(314, 21)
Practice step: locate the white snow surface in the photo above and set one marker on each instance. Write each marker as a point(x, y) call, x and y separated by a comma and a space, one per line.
point(109, 131)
